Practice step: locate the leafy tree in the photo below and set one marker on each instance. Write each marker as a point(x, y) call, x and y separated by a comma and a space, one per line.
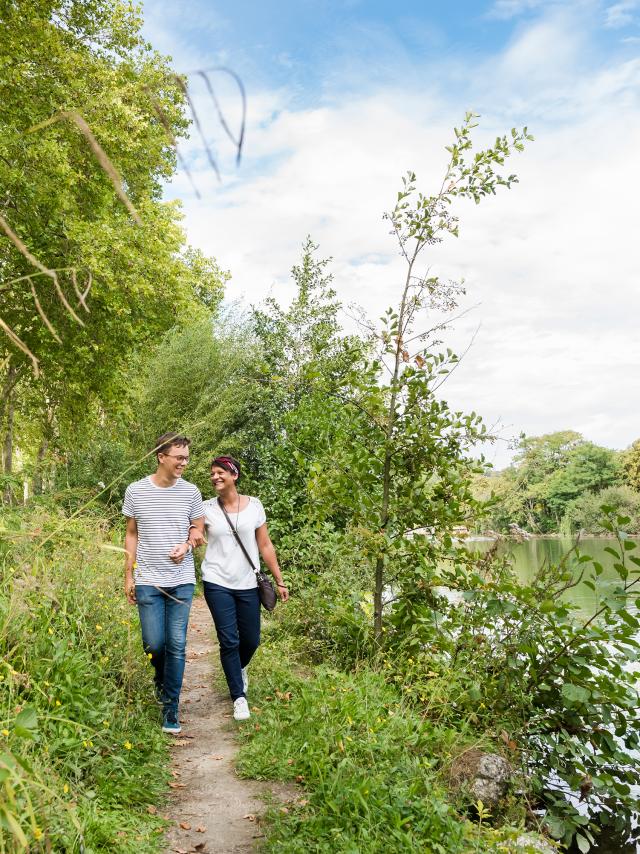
point(631, 465)
point(585, 512)
point(538, 458)
point(397, 466)
point(304, 359)
point(589, 469)
point(93, 264)
point(547, 474)
point(197, 381)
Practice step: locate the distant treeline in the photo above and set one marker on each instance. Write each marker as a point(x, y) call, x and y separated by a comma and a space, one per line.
point(559, 482)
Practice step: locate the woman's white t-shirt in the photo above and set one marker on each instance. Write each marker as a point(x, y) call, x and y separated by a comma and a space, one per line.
point(224, 561)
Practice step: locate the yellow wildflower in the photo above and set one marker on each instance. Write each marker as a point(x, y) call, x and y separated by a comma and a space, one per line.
point(65, 788)
point(128, 745)
point(98, 627)
point(5, 732)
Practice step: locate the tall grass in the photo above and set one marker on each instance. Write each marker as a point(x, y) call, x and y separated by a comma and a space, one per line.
point(81, 753)
point(368, 765)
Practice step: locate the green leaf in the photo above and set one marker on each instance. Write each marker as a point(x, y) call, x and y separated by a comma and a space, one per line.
point(575, 694)
point(583, 843)
point(26, 722)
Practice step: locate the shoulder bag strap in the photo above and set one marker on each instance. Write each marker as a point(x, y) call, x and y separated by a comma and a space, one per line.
point(237, 536)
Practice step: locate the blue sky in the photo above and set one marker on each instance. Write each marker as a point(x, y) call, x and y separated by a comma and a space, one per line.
point(346, 97)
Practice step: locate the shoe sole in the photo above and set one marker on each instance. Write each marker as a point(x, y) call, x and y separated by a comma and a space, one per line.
point(172, 731)
point(242, 718)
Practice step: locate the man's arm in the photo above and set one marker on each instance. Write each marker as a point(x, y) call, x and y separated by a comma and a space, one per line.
point(196, 532)
point(131, 546)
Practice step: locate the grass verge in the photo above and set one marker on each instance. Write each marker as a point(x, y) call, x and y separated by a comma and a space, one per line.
point(368, 765)
point(82, 758)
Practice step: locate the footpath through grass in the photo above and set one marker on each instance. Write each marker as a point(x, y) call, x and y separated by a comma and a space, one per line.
point(371, 769)
point(81, 752)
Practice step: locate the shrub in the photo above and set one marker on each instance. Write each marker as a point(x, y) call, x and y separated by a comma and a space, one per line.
point(81, 752)
point(585, 513)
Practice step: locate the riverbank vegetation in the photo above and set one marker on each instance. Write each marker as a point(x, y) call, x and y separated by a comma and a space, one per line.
point(401, 652)
point(557, 484)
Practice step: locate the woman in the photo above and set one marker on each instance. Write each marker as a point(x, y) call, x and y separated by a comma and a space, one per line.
point(230, 586)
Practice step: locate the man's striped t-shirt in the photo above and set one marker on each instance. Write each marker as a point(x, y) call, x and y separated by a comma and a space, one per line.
point(163, 516)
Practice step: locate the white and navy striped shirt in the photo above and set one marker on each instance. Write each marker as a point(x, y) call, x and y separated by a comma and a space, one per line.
point(163, 516)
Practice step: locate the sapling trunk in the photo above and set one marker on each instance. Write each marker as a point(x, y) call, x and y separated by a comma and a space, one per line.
point(388, 454)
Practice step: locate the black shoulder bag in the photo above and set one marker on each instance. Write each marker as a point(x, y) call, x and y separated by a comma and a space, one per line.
point(266, 593)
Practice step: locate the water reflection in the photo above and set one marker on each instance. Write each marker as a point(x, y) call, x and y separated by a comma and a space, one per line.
point(528, 556)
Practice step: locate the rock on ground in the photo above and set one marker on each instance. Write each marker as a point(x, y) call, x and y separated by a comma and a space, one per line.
point(485, 776)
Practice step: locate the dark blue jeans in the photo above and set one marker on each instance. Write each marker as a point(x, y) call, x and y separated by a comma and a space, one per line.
point(236, 614)
point(164, 614)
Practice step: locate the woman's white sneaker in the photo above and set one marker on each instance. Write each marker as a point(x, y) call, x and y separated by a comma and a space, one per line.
point(241, 709)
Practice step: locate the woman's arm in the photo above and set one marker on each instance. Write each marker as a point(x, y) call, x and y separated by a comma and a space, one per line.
point(268, 554)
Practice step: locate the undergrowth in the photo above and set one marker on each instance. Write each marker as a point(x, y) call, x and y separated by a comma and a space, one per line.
point(82, 756)
point(367, 765)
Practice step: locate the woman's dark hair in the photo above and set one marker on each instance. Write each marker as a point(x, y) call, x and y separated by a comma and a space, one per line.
point(228, 464)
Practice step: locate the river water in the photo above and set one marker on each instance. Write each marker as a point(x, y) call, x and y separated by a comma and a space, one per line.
point(527, 557)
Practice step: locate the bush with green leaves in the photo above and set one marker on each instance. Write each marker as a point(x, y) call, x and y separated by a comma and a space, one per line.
point(365, 760)
point(585, 513)
point(81, 750)
point(556, 688)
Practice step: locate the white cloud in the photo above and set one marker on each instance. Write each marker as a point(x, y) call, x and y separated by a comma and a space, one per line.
point(621, 14)
point(505, 9)
point(552, 263)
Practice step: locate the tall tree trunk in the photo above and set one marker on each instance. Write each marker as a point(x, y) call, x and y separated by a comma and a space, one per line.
point(7, 387)
point(39, 485)
point(38, 477)
point(7, 446)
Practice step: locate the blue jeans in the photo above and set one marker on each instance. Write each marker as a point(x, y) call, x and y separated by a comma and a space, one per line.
point(164, 614)
point(236, 614)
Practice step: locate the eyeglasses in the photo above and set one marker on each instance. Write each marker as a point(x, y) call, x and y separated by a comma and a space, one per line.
point(177, 457)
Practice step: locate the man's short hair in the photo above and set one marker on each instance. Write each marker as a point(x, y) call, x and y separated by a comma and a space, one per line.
point(168, 440)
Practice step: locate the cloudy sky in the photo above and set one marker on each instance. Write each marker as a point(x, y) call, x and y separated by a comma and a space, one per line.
point(345, 97)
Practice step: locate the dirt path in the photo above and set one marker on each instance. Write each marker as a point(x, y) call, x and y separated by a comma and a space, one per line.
point(210, 805)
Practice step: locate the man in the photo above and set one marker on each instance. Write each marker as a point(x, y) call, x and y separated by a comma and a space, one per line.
point(165, 518)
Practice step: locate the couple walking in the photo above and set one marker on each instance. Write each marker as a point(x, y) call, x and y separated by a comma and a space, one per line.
point(166, 520)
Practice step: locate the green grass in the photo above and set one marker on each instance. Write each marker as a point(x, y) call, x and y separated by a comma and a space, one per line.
point(367, 766)
point(363, 762)
point(81, 751)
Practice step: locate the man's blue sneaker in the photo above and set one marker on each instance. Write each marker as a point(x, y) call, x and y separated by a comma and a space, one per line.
point(170, 722)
